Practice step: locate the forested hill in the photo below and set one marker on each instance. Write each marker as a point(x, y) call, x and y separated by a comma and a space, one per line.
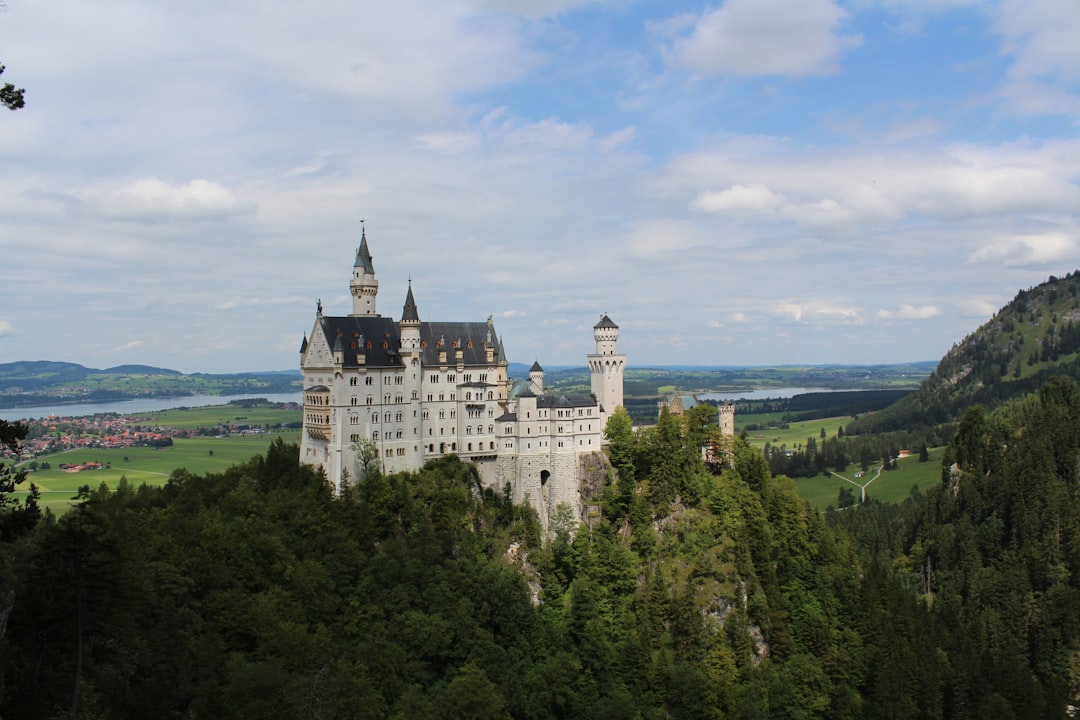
point(41, 382)
point(1033, 338)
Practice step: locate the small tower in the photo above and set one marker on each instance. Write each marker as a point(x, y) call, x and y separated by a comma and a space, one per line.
point(606, 367)
point(363, 285)
point(725, 418)
point(536, 378)
point(410, 326)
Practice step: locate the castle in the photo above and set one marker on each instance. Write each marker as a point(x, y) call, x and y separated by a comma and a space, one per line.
point(419, 390)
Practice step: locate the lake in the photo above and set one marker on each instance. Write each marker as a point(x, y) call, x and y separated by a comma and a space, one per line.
point(128, 407)
point(782, 392)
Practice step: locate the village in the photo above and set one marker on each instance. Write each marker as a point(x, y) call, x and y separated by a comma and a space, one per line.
point(55, 434)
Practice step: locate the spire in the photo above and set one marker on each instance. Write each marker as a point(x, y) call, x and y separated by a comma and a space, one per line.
point(303, 345)
point(502, 351)
point(536, 367)
point(409, 314)
point(363, 255)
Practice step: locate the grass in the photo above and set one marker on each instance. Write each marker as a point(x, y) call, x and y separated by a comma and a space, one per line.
point(210, 416)
point(148, 466)
point(794, 435)
point(822, 491)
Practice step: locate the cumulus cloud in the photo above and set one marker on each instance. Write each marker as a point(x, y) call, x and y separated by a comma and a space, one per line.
point(909, 312)
point(816, 313)
point(1029, 250)
point(511, 314)
point(765, 37)
point(151, 199)
point(740, 198)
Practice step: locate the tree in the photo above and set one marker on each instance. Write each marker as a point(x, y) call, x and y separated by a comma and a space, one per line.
point(10, 97)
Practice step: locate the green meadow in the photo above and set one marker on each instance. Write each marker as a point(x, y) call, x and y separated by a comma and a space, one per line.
point(210, 416)
point(796, 432)
point(143, 465)
point(891, 486)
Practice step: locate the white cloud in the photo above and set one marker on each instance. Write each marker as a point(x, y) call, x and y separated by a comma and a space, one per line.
point(133, 345)
point(740, 198)
point(815, 313)
point(1029, 250)
point(909, 312)
point(151, 199)
point(765, 37)
point(511, 314)
point(5, 327)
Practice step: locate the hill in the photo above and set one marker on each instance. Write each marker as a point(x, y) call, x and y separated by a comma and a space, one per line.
point(1033, 338)
point(41, 382)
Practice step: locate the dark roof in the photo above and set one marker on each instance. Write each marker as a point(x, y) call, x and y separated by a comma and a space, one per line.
point(565, 401)
point(506, 417)
point(380, 340)
point(536, 367)
point(605, 322)
point(363, 255)
point(409, 314)
point(303, 345)
point(316, 388)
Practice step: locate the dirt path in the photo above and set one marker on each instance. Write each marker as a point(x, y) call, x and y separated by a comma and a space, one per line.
point(862, 487)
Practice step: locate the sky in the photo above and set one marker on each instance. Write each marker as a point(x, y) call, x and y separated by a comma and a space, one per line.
point(749, 182)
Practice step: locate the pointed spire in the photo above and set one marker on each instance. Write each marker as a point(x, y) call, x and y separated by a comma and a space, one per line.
point(409, 314)
point(502, 351)
point(303, 345)
point(339, 346)
point(536, 367)
point(363, 255)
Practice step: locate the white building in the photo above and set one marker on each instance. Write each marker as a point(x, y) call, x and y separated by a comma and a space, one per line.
point(421, 390)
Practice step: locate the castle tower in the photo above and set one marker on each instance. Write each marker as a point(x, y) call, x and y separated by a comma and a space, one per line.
point(536, 378)
point(606, 367)
point(725, 418)
point(363, 285)
point(411, 357)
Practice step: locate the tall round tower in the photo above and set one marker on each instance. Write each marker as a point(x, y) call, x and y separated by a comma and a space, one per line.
point(363, 285)
point(606, 366)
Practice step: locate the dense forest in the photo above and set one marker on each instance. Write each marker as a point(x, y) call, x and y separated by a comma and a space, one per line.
point(693, 591)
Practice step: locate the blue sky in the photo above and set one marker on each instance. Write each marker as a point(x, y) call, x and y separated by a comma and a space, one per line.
point(742, 182)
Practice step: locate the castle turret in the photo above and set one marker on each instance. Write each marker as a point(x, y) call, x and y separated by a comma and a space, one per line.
point(412, 379)
point(606, 366)
point(536, 378)
point(363, 285)
point(410, 325)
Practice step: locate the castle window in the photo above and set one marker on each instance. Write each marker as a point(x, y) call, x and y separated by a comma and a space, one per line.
point(468, 396)
point(453, 447)
point(492, 444)
point(370, 400)
point(491, 395)
point(399, 434)
point(442, 414)
point(375, 435)
point(369, 380)
point(452, 378)
point(483, 377)
point(399, 398)
point(468, 377)
point(415, 394)
point(468, 429)
point(389, 452)
point(453, 413)
point(398, 380)
point(386, 399)
point(355, 400)
point(375, 418)
point(430, 397)
point(401, 451)
point(386, 417)
point(434, 378)
point(470, 447)
point(451, 396)
point(354, 380)
point(425, 415)
point(442, 396)
point(368, 344)
point(469, 344)
point(399, 417)
point(491, 429)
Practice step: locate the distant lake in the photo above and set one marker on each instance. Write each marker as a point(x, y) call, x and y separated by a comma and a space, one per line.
point(128, 407)
point(783, 392)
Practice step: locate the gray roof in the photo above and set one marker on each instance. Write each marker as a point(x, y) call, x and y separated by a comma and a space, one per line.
point(380, 340)
point(409, 314)
point(565, 401)
point(536, 367)
point(605, 322)
point(363, 255)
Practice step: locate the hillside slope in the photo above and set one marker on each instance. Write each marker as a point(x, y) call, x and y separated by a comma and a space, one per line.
point(1033, 338)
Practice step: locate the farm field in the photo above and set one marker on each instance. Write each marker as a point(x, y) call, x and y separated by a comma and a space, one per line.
point(144, 465)
point(795, 434)
point(212, 415)
point(822, 491)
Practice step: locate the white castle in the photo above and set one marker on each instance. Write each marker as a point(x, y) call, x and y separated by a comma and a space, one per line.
point(420, 390)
